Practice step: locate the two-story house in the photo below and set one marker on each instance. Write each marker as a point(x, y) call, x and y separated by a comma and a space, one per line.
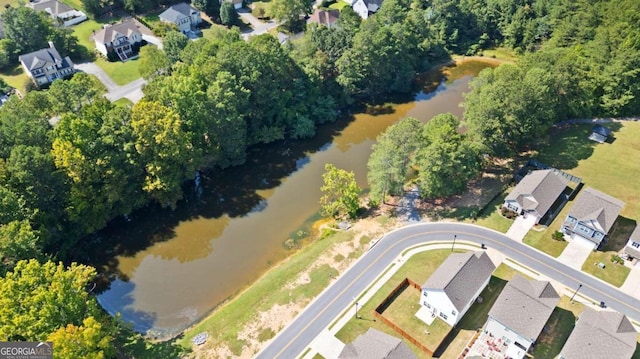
point(536, 194)
point(632, 248)
point(591, 217)
point(600, 334)
point(185, 17)
point(455, 285)
point(46, 65)
point(118, 38)
point(520, 313)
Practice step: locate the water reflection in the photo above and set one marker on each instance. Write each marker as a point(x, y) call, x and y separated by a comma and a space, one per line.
point(175, 266)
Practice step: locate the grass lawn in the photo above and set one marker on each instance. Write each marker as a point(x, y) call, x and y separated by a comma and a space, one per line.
point(227, 321)
point(261, 9)
point(338, 5)
point(121, 72)
point(540, 238)
point(14, 3)
point(84, 30)
point(557, 329)
point(15, 77)
point(123, 102)
point(501, 53)
point(491, 217)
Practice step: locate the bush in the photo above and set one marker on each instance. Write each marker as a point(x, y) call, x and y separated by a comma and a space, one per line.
point(617, 259)
point(506, 212)
point(557, 236)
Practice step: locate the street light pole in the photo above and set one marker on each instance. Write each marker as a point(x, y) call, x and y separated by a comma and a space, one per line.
point(574, 293)
point(454, 242)
point(357, 317)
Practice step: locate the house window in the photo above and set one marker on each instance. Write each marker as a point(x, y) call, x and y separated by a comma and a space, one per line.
point(635, 244)
point(427, 305)
point(424, 292)
point(444, 316)
point(453, 312)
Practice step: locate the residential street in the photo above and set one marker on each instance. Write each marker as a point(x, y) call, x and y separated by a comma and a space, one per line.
point(132, 91)
point(321, 312)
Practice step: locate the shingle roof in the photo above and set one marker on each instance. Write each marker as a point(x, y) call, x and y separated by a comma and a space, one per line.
point(596, 209)
point(601, 130)
point(525, 306)
point(634, 237)
point(43, 58)
point(55, 7)
point(601, 334)
point(325, 17)
point(177, 12)
point(109, 33)
point(375, 344)
point(460, 276)
point(538, 190)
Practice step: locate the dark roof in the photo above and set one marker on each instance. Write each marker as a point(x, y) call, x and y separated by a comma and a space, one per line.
point(109, 33)
point(525, 306)
point(325, 17)
point(601, 130)
point(53, 7)
point(460, 276)
point(177, 12)
point(601, 334)
point(538, 190)
point(43, 58)
point(596, 209)
point(375, 344)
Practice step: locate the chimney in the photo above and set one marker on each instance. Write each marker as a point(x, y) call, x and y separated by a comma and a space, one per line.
point(51, 45)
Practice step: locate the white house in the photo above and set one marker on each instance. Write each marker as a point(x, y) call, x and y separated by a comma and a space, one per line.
point(61, 12)
point(600, 334)
point(632, 249)
point(455, 285)
point(118, 38)
point(182, 15)
point(520, 313)
point(536, 193)
point(365, 8)
point(591, 217)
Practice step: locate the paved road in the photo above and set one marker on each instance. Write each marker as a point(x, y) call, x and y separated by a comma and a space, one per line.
point(132, 90)
point(296, 337)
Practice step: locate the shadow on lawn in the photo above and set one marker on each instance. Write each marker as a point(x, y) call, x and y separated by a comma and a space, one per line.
point(622, 229)
point(554, 334)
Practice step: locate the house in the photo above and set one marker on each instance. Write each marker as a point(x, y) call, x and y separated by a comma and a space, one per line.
point(183, 15)
point(600, 334)
point(536, 193)
point(632, 248)
point(366, 8)
point(375, 344)
point(520, 313)
point(46, 65)
point(60, 12)
point(455, 285)
point(591, 217)
point(599, 134)
point(237, 4)
point(328, 18)
point(119, 38)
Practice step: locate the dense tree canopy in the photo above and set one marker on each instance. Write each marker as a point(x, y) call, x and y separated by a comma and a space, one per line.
point(339, 193)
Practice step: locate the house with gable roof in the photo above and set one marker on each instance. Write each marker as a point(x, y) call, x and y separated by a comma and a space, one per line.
point(183, 15)
point(455, 285)
point(366, 8)
point(375, 344)
point(520, 313)
point(536, 193)
point(59, 11)
point(600, 334)
point(328, 18)
point(119, 38)
point(46, 65)
point(632, 248)
point(591, 217)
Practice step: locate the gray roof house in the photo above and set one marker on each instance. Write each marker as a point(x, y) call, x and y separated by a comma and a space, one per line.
point(520, 313)
point(183, 15)
point(600, 334)
point(375, 344)
point(454, 286)
point(632, 248)
point(46, 65)
point(59, 11)
point(366, 8)
point(592, 216)
point(119, 38)
point(536, 193)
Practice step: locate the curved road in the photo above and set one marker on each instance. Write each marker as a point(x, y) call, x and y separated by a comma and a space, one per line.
point(320, 313)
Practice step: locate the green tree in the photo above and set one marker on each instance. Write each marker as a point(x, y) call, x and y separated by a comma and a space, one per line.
point(228, 14)
point(37, 299)
point(173, 44)
point(18, 241)
point(339, 193)
point(289, 12)
point(210, 7)
point(91, 340)
point(26, 28)
point(390, 158)
point(8, 51)
point(153, 62)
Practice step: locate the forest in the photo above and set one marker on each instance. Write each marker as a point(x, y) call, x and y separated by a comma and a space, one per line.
point(70, 161)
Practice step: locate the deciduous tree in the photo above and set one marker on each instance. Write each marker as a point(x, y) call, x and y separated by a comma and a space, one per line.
point(339, 192)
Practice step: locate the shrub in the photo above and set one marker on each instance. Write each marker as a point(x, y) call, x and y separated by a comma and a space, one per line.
point(506, 212)
point(617, 259)
point(557, 236)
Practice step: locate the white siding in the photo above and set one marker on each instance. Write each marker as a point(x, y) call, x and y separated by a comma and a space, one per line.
point(101, 47)
point(440, 305)
point(361, 9)
point(498, 330)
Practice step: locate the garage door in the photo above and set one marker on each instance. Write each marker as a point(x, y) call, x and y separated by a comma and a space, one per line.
point(583, 242)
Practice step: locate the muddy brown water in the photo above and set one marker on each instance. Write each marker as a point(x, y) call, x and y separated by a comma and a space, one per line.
point(169, 268)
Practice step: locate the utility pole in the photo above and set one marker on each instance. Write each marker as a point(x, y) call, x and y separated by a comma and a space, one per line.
point(357, 317)
point(574, 293)
point(454, 242)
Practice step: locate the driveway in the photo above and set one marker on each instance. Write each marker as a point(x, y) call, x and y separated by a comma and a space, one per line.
point(257, 26)
point(152, 40)
point(95, 70)
point(631, 285)
point(576, 253)
point(132, 91)
point(520, 227)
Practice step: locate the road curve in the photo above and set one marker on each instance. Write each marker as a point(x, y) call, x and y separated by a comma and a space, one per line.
point(298, 335)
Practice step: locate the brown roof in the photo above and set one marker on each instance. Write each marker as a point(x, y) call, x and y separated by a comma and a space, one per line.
point(601, 334)
point(460, 276)
point(111, 32)
point(596, 209)
point(375, 344)
point(538, 190)
point(525, 306)
point(325, 17)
